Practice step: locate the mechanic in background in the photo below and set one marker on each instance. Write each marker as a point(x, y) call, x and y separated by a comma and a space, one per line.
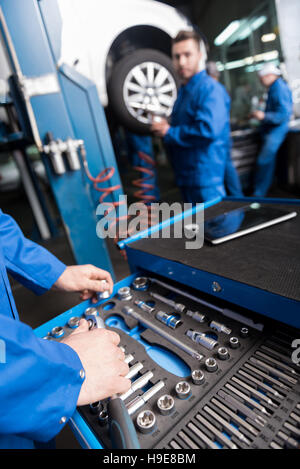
point(43, 381)
point(231, 178)
point(198, 134)
point(274, 126)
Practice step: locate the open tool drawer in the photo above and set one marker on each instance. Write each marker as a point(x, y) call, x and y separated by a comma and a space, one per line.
point(212, 374)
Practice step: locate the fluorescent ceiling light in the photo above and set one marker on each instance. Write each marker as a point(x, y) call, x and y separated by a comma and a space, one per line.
point(249, 61)
point(268, 37)
point(252, 26)
point(229, 31)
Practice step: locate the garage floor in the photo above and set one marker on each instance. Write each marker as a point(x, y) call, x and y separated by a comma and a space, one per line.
point(38, 310)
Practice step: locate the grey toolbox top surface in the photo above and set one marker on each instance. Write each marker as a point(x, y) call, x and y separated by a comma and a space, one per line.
point(268, 259)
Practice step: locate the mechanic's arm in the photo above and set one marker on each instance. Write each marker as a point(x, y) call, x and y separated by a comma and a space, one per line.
point(38, 269)
point(31, 264)
point(282, 109)
point(209, 120)
point(42, 381)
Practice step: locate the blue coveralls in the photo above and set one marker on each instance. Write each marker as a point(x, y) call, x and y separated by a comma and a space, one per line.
point(274, 129)
point(231, 179)
point(40, 380)
point(198, 139)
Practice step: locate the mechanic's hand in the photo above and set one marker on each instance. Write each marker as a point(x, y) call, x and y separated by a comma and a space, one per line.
point(160, 128)
point(102, 360)
point(259, 115)
point(86, 279)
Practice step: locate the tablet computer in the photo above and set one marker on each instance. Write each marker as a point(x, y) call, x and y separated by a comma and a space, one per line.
point(242, 221)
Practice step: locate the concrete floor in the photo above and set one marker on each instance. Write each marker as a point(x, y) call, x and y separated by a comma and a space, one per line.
point(35, 310)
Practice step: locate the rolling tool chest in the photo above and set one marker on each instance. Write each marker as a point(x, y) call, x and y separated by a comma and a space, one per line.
point(211, 337)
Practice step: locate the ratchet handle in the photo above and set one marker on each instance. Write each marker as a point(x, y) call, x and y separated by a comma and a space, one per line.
point(122, 431)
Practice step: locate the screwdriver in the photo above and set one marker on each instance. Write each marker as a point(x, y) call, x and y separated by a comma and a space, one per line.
point(121, 428)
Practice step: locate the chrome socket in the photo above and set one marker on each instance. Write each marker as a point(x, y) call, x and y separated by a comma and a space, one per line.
point(57, 332)
point(104, 294)
point(223, 353)
point(198, 377)
point(134, 369)
point(146, 421)
point(234, 342)
point(96, 407)
point(93, 318)
point(125, 294)
point(142, 305)
point(183, 389)
point(211, 365)
point(168, 319)
point(244, 332)
point(199, 317)
point(140, 283)
point(91, 311)
point(140, 401)
point(73, 322)
point(217, 326)
point(103, 418)
point(200, 338)
point(128, 358)
point(165, 404)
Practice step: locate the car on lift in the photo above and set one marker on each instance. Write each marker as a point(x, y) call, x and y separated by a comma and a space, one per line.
point(124, 46)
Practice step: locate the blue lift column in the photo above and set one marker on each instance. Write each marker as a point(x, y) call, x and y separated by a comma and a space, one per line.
point(57, 100)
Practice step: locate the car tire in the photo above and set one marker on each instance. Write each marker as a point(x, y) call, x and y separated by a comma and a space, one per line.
point(141, 84)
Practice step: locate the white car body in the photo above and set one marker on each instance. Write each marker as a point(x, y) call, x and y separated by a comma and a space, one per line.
point(90, 27)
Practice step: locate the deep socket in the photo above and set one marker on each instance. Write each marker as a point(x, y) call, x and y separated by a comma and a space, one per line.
point(217, 326)
point(142, 305)
point(200, 338)
point(137, 384)
point(139, 401)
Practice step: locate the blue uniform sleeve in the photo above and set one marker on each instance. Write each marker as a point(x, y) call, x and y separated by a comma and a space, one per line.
point(282, 106)
point(31, 264)
point(210, 117)
point(40, 382)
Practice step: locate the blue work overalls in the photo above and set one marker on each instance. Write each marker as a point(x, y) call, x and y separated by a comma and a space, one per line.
point(198, 139)
point(274, 129)
point(40, 380)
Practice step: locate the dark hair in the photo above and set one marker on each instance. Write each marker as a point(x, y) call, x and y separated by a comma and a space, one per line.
point(185, 35)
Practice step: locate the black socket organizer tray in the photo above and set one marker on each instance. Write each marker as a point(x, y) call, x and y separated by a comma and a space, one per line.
point(260, 368)
point(171, 430)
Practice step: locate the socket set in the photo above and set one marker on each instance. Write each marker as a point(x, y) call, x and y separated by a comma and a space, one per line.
point(199, 379)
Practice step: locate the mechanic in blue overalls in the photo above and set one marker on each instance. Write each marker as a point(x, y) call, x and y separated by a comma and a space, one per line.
point(231, 178)
point(274, 126)
point(197, 137)
point(42, 381)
